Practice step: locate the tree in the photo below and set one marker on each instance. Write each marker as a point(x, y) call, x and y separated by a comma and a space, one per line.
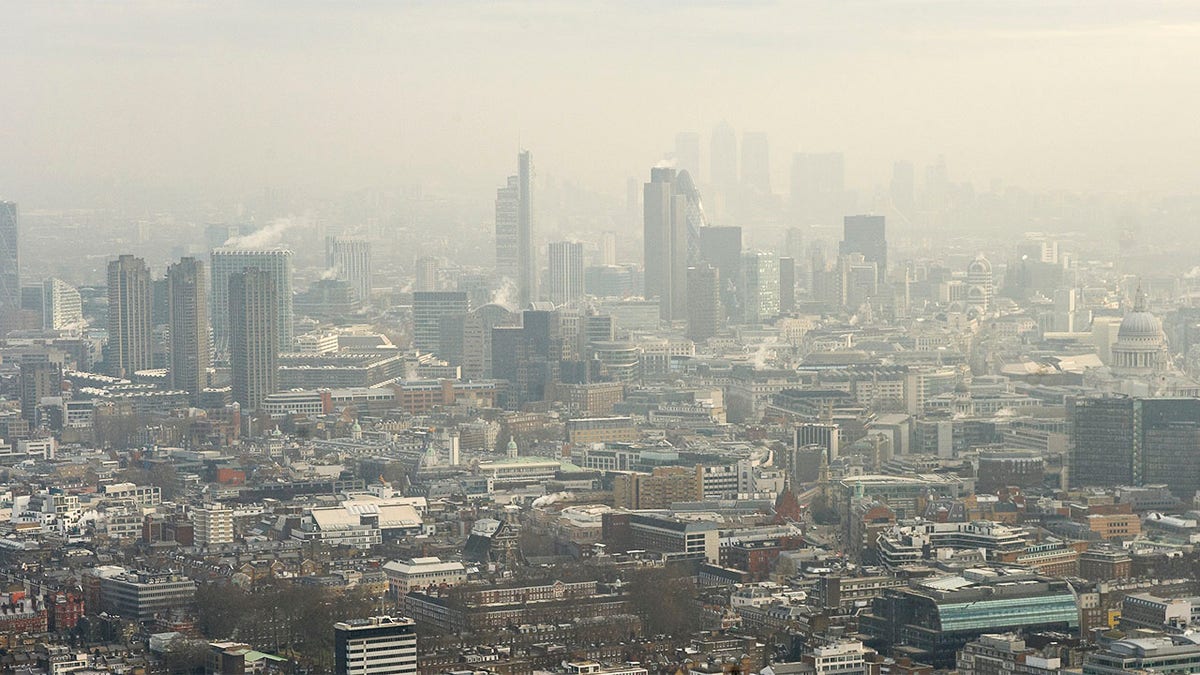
point(664, 598)
point(185, 657)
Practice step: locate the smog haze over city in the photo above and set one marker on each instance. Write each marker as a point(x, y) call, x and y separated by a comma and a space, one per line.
point(583, 338)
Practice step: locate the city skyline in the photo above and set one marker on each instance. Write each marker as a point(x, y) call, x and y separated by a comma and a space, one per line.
point(997, 73)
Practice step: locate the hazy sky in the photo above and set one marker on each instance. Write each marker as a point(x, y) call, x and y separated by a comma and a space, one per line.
point(231, 97)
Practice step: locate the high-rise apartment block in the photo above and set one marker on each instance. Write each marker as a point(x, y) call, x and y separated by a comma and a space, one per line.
point(213, 525)
point(188, 319)
point(253, 339)
point(129, 346)
point(275, 262)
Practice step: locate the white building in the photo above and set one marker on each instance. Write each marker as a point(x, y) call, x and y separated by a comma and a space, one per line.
point(412, 574)
point(350, 260)
point(229, 261)
point(142, 495)
point(213, 525)
point(62, 307)
point(380, 645)
point(840, 658)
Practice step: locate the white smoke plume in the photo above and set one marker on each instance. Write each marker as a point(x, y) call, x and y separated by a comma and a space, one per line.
point(506, 294)
point(264, 237)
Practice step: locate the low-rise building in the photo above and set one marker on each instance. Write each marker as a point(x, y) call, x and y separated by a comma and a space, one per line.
point(421, 573)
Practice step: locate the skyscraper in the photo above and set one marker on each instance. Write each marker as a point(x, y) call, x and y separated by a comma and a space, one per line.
point(665, 241)
point(704, 302)
point(129, 346)
point(760, 286)
point(722, 248)
point(229, 261)
point(187, 301)
point(515, 257)
point(253, 339)
point(429, 309)
point(756, 162)
point(380, 645)
point(62, 307)
point(426, 278)
point(566, 272)
point(687, 153)
point(10, 268)
point(608, 248)
point(507, 244)
point(723, 159)
point(904, 188)
point(787, 285)
point(350, 260)
point(818, 186)
point(526, 262)
point(866, 235)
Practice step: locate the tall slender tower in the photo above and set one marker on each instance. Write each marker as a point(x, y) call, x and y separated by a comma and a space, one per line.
point(129, 323)
point(187, 309)
point(665, 241)
point(253, 341)
point(526, 261)
point(10, 264)
point(507, 198)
